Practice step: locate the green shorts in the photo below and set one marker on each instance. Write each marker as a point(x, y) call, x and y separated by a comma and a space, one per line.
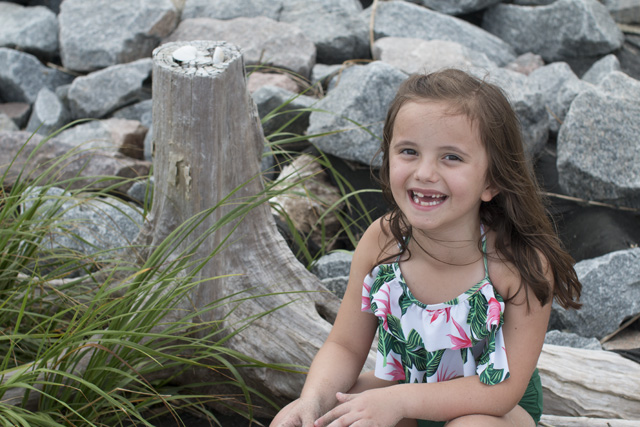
point(531, 402)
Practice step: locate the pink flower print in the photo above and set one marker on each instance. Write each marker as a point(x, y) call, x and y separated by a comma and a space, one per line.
point(438, 312)
point(445, 375)
point(366, 297)
point(493, 315)
point(397, 372)
point(384, 307)
point(463, 341)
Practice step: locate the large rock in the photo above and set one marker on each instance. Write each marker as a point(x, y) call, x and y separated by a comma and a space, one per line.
point(601, 68)
point(334, 26)
point(22, 76)
point(598, 147)
point(263, 41)
point(424, 56)
point(355, 109)
point(229, 9)
point(559, 86)
point(610, 295)
point(562, 30)
point(401, 19)
point(96, 34)
point(102, 92)
point(110, 135)
point(528, 103)
point(457, 7)
point(30, 29)
point(98, 228)
point(80, 169)
point(624, 11)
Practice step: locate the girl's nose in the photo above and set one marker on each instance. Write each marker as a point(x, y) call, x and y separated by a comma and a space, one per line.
point(426, 171)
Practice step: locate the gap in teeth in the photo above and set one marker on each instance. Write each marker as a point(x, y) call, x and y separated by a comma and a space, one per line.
point(436, 199)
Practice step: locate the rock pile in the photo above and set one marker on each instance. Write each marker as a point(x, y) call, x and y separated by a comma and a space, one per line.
point(568, 68)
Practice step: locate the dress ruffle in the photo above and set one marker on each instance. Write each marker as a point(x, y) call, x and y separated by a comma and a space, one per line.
point(436, 342)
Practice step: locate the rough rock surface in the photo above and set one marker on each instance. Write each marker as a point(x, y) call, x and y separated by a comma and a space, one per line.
point(564, 29)
point(597, 144)
point(96, 34)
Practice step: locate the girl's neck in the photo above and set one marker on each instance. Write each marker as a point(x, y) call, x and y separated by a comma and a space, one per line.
point(459, 248)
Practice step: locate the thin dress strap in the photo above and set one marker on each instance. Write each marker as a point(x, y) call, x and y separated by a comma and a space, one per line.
point(484, 251)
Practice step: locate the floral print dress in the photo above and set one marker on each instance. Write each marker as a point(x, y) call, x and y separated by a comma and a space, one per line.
point(435, 342)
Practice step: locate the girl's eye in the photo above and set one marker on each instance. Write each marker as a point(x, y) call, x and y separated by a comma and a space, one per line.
point(409, 152)
point(452, 157)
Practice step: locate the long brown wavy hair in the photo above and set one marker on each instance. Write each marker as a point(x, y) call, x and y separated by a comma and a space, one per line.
point(517, 214)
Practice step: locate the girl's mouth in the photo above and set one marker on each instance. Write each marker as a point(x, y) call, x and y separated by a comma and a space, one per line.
point(427, 200)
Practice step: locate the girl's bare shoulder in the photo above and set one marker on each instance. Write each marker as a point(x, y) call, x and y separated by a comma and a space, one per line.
point(504, 275)
point(376, 243)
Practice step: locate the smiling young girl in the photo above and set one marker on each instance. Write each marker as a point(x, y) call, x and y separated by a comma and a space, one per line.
point(457, 279)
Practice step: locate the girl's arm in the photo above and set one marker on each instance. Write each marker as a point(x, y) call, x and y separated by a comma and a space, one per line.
point(339, 361)
point(524, 330)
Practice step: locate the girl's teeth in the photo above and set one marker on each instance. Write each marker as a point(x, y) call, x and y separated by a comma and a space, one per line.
point(436, 199)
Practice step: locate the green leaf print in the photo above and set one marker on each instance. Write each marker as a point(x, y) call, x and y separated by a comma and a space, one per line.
point(477, 319)
point(395, 327)
point(433, 361)
point(491, 376)
point(416, 353)
point(489, 348)
point(385, 274)
point(464, 352)
point(385, 341)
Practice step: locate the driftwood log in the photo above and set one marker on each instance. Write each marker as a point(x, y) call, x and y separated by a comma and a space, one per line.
point(589, 383)
point(208, 143)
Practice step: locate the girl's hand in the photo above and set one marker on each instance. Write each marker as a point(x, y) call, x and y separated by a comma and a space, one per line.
point(371, 408)
point(299, 413)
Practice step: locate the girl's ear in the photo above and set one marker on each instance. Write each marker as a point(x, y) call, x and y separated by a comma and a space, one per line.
point(489, 193)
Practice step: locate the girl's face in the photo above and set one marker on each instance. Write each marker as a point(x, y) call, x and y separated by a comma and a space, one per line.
point(437, 169)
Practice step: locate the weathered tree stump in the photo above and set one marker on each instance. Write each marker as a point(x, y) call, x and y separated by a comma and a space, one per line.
point(208, 143)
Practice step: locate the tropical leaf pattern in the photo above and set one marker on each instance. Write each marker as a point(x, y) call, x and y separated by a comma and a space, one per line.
point(437, 342)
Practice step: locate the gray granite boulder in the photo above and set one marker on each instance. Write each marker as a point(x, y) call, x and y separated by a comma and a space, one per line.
point(424, 56)
point(111, 135)
point(569, 339)
point(48, 113)
point(262, 41)
point(601, 68)
point(597, 145)
point(333, 271)
point(91, 226)
point(528, 103)
point(559, 86)
point(402, 19)
point(624, 11)
point(457, 7)
point(29, 29)
point(96, 34)
point(100, 93)
point(80, 167)
point(355, 109)
point(22, 76)
point(610, 295)
point(334, 26)
point(229, 9)
point(562, 30)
